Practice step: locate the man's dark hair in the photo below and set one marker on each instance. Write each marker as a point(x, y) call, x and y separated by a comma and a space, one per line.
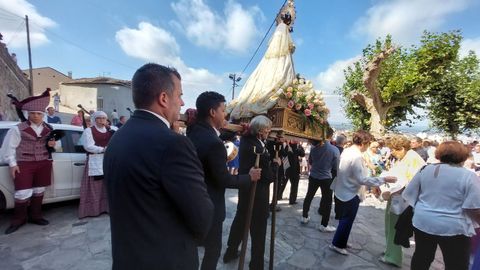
point(329, 133)
point(150, 81)
point(207, 101)
point(362, 137)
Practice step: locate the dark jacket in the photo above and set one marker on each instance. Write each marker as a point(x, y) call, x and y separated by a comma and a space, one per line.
point(293, 157)
point(211, 152)
point(159, 205)
point(247, 159)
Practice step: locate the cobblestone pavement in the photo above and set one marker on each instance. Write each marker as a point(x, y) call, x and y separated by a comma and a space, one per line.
point(70, 243)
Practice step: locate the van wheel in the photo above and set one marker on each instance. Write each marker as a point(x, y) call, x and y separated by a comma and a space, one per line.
point(3, 202)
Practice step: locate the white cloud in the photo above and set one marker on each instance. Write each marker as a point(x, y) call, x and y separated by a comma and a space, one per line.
point(328, 81)
point(332, 78)
point(233, 31)
point(149, 43)
point(12, 29)
point(406, 20)
point(470, 45)
point(154, 44)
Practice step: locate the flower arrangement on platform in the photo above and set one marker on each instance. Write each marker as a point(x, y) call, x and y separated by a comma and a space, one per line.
point(302, 99)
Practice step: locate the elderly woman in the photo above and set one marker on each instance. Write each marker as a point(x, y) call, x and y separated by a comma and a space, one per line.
point(445, 198)
point(407, 165)
point(374, 159)
point(351, 177)
point(258, 133)
point(93, 197)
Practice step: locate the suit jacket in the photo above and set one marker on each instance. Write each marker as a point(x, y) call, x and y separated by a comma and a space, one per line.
point(247, 159)
point(293, 157)
point(159, 205)
point(211, 152)
point(281, 154)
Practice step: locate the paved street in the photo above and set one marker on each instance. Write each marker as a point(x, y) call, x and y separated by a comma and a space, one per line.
point(70, 243)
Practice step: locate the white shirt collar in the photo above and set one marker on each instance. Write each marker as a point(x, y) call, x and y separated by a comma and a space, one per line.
point(157, 115)
point(218, 132)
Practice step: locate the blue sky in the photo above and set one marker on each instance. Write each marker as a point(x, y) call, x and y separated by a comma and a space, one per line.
point(206, 39)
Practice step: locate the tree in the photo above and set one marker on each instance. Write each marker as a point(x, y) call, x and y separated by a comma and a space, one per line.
point(389, 81)
point(454, 105)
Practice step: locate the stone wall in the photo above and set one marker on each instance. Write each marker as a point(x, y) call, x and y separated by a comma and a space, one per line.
point(12, 81)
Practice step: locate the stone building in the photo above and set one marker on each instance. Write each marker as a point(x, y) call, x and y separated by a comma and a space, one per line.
point(12, 80)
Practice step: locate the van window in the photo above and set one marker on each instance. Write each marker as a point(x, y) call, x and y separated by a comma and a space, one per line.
point(3, 132)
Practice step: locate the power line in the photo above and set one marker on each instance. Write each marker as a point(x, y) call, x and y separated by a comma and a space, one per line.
point(18, 30)
point(261, 42)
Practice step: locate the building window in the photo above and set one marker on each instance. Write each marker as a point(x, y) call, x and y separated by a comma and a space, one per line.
point(100, 104)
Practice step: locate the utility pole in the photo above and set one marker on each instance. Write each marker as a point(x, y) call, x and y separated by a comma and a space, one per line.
point(234, 79)
point(30, 82)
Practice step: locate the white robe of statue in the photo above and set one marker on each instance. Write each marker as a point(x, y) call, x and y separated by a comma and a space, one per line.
point(264, 86)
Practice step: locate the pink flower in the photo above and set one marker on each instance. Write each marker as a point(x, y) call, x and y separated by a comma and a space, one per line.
point(290, 104)
point(289, 94)
point(298, 107)
point(311, 106)
point(307, 112)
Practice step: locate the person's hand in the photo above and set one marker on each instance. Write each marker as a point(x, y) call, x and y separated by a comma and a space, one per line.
point(176, 126)
point(14, 170)
point(277, 160)
point(51, 143)
point(390, 179)
point(376, 191)
point(386, 195)
point(255, 174)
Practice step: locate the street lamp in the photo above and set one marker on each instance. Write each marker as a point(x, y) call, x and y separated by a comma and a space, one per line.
point(234, 79)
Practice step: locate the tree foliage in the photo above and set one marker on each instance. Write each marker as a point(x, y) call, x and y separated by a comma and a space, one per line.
point(454, 105)
point(390, 81)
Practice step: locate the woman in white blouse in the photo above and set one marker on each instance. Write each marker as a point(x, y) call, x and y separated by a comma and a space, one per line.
point(446, 201)
point(352, 175)
point(93, 197)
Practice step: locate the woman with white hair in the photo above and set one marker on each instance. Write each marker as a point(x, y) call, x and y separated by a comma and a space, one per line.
point(93, 196)
point(251, 144)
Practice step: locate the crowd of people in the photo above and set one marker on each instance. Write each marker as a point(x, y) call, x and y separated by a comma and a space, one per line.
point(166, 195)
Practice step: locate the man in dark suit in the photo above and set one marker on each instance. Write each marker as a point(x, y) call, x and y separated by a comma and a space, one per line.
point(211, 151)
point(294, 150)
point(159, 205)
point(271, 144)
point(258, 132)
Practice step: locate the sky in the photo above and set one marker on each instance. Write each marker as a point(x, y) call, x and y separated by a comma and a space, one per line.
point(206, 40)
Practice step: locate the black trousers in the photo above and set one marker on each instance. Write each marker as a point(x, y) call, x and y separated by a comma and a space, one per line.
point(294, 177)
point(213, 246)
point(455, 250)
point(326, 200)
point(258, 227)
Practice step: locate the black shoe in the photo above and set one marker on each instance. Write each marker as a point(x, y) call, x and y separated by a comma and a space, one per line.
point(230, 255)
point(41, 221)
point(292, 203)
point(13, 228)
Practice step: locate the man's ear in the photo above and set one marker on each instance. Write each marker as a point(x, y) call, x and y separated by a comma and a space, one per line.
point(162, 99)
point(212, 113)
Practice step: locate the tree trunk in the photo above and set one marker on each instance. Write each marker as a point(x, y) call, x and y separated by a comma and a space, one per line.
point(378, 112)
point(377, 120)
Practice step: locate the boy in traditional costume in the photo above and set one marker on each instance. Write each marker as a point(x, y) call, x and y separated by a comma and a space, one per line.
point(26, 150)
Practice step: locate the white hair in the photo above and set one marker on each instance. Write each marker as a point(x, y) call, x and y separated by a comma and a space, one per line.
point(259, 123)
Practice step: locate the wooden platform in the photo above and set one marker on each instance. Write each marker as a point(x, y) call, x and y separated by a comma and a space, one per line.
point(293, 125)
